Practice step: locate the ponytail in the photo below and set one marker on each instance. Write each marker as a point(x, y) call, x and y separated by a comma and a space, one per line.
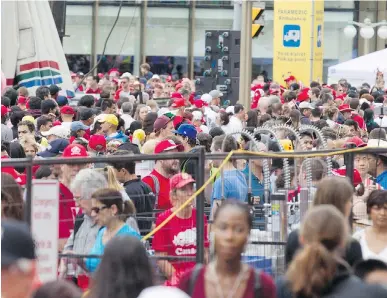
point(312, 269)
point(128, 209)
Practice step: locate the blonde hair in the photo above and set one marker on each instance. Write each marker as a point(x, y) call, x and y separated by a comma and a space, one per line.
point(324, 230)
point(28, 140)
point(111, 178)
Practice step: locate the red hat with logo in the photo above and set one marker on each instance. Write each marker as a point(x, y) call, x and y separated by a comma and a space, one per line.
point(345, 108)
point(97, 143)
point(356, 141)
point(342, 172)
point(178, 103)
point(167, 145)
point(75, 150)
point(4, 110)
point(180, 180)
point(67, 110)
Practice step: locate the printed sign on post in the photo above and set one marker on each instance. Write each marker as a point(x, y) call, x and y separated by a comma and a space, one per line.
point(44, 224)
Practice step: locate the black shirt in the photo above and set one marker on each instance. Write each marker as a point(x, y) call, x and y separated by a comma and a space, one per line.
point(143, 199)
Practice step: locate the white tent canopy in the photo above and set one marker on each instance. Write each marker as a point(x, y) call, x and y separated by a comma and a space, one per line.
point(360, 70)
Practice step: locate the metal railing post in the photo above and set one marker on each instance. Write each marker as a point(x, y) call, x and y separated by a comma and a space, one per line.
point(28, 208)
point(200, 207)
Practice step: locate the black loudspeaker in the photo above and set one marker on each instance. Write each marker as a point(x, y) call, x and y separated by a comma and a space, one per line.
point(58, 9)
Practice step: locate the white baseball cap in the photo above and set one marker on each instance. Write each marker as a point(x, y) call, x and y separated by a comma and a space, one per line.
point(230, 109)
point(155, 76)
point(216, 94)
point(126, 75)
point(197, 115)
point(162, 292)
point(305, 105)
point(59, 130)
point(206, 98)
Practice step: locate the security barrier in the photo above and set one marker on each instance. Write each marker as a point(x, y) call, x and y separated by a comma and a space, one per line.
point(272, 220)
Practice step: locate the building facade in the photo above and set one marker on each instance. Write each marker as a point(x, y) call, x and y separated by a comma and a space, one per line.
point(166, 34)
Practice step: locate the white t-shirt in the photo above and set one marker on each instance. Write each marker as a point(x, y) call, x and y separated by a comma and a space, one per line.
point(381, 122)
point(367, 253)
point(210, 117)
point(128, 120)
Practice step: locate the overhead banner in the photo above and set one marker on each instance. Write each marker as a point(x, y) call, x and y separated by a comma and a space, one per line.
point(298, 40)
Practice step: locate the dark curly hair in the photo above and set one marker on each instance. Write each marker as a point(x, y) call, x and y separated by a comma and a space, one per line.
point(124, 270)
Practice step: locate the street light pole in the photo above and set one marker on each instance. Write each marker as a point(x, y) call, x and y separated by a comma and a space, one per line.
point(367, 31)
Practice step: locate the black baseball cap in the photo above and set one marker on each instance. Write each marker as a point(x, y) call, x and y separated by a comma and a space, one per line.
point(54, 89)
point(16, 242)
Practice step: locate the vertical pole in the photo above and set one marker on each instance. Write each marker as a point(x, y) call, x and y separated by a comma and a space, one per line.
point(350, 166)
point(191, 39)
point(237, 21)
point(28, 209)
point(94, 35)
point(143, 21)
point(200, 207)
point(366, 47)
point(245, 58)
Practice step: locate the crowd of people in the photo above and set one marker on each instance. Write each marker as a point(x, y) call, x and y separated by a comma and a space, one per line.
point(106, 207)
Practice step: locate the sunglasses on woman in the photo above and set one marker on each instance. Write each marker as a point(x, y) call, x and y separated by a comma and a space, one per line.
point(98, 209)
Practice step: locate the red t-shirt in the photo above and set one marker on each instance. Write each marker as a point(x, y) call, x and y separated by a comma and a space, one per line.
point(92, 91)
point(163, 201)
point(178, 238)
point(359, 121)
point(267, 287)
point(67, 211)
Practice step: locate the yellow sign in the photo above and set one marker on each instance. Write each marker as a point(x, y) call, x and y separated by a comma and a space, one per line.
point(298, 40)
point(256, 13)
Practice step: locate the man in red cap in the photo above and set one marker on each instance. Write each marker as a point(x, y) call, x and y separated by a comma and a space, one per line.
point(67, 211)
point(346, 111)
point(159, 178)
point(67, 114)
point(178, 236)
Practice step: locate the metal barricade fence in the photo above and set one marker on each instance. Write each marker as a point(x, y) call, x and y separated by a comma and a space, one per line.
point(273, 219)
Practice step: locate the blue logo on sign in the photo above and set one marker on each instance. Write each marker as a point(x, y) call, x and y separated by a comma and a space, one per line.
point(292, 36)
point(319, 36)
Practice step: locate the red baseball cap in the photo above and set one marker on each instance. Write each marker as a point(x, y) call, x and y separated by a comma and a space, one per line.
point(97, 143)
point(200, 103)
point(4, 110)
point(75, 150)
point(22, 100)
point(342, 173)
point(67, 110)
point(178, 103)
point(176, 95)
point(167, 145)
point(290, 78)
point(56, 123)
point(345, 108)
point(180, 180)
point(357, 141)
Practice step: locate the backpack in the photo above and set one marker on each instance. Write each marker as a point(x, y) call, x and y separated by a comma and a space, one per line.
point(198, 267)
